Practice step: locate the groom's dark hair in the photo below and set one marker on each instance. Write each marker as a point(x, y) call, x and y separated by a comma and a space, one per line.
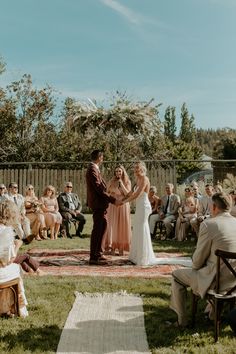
point(96, 154)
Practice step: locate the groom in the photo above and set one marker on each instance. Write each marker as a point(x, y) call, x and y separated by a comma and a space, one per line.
point(98, 200)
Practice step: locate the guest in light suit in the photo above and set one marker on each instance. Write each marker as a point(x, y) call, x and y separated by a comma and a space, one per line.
point(70, 208)
point(215, 233)
point(170, 204)
point(22, 228)
point(205, 208)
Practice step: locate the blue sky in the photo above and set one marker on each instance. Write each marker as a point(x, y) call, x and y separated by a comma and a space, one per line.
point(172, 50)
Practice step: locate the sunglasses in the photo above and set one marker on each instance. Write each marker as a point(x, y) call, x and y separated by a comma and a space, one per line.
point(69, 187)
point(14, 186)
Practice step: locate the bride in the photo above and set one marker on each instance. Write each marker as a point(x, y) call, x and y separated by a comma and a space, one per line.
point(141, 251)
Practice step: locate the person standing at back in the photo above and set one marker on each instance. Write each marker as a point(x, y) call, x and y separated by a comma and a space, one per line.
point(98, 200)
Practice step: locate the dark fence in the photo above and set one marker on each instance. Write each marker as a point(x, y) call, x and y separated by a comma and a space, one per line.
point(159, 172)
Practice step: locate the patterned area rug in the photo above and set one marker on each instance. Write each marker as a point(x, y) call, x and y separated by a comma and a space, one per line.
point(76, 262)
point(105, 323)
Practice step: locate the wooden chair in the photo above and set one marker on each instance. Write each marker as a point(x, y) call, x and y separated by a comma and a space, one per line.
point(217, 299)
point(159, 229)
point(13, 286)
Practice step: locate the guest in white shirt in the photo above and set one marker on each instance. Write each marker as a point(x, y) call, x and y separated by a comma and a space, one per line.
point(22, 228)
point(205, 208)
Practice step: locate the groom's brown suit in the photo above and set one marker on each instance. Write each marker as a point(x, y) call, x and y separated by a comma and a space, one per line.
point(98, 200)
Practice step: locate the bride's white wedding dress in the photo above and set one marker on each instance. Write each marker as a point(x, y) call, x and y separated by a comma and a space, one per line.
point(141, 251)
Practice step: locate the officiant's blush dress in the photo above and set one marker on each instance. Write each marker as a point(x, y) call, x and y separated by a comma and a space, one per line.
point(118, 235)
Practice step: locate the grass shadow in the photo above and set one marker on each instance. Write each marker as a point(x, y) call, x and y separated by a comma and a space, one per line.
point(39, 339)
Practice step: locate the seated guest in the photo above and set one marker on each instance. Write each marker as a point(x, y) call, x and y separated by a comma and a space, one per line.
point(8, 248)
point(233, 196)
point(22, 227)
point(70, 208)
point(204, 209)
point(3, 193)
point(170, 204)
point(195, 188)
point(35, 214)
point(218, 188)
point(187, 211)
point(50, 209)
point(215, 233)
point(154, 200)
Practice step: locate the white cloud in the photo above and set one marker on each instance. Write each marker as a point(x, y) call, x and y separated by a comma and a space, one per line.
point(124, 11)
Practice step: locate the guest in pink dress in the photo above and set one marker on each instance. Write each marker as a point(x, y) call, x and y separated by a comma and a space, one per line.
point(35, 214)
point(50, 208)
point(118, 235)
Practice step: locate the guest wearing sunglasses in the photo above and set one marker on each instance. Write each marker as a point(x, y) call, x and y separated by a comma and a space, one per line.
point(70, 208)
point(50, 208)
point(35, 214)
point(3, 193)
point(22, 228)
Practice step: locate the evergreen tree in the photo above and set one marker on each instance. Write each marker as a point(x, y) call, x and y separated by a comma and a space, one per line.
point(2, 65)
point(170, 123)
point(187, 130)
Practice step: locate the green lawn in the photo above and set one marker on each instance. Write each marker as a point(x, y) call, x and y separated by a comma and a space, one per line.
point(50, 300)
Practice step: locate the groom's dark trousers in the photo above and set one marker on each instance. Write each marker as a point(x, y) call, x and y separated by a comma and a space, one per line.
point(98, 200)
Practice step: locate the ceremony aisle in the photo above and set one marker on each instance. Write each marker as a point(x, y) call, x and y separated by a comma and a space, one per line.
point(105, 323)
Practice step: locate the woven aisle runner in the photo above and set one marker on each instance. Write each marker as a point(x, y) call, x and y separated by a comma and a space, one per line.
point(105, 324)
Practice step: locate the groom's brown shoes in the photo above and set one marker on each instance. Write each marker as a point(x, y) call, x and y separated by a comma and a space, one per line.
point(97, 262)
point(102, 258)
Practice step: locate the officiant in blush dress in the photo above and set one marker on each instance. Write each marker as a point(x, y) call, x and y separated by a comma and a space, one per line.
point(118, 234)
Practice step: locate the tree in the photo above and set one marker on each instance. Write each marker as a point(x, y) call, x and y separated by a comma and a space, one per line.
point(170, 123)
point(225, 147)
point(187, 129)
point(181, 150)
point(7, 126)
point(2, 65)
point(33, 109)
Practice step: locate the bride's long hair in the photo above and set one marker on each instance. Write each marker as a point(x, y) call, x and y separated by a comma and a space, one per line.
point(142, 166)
